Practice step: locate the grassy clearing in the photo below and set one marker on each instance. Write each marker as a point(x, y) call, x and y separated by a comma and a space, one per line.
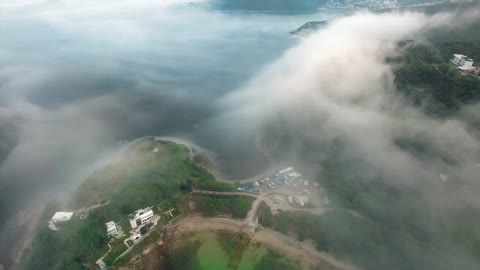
point(208, 205)
point(238, 252)
point(118, 247)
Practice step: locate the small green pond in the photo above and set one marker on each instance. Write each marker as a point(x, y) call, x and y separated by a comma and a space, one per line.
point(221, 251)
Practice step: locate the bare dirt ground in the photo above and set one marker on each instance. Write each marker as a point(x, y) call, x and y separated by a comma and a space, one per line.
point(199, 223)
point(303, 251)
point(153, 255)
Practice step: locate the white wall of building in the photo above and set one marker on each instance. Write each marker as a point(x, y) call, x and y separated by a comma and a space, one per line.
point(62, 216)
point(141, 216)
point(111, 229)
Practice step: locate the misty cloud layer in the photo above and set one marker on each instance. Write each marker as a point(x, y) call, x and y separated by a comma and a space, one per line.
point(76, 77)
point(337, 84)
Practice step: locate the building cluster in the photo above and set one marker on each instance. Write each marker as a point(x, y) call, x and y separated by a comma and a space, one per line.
point(465, 64)
point(274, 181)
point(297, 187)
point(137, 219)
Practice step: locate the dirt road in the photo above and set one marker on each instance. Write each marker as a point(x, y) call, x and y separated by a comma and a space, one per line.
point(303, 251)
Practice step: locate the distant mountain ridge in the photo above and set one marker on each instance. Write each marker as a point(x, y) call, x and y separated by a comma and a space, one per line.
point(270, 5)
point(309, 5)
point(467, 33)
point(309, 27)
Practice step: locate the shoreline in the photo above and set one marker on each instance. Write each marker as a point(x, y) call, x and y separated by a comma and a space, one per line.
point(219, 176)
point(195, 149)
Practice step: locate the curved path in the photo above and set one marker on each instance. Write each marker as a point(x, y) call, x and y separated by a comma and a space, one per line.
point(303, 251)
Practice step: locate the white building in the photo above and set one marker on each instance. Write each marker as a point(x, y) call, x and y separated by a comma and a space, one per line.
point(463, 62)
point(286, 170)
point(141, 216)
point(295, 174)
point(62, 217)
point(101, 264)
point(111, 229)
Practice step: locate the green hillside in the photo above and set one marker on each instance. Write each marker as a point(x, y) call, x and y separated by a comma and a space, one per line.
point(143, 178)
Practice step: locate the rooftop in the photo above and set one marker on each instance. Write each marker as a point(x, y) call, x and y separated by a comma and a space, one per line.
point(63, 215)
point(139, 212)
point(110, 225)
point(463, 57)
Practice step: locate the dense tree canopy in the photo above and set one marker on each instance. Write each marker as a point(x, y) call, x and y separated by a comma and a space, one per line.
point(427, 78)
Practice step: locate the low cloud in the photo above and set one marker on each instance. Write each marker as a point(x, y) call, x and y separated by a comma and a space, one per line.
point(337, 84)
point(88, 74)
point(76, 77)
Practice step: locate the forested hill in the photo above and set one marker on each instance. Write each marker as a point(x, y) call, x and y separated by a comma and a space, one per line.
point(427, 78)
point(152, 173)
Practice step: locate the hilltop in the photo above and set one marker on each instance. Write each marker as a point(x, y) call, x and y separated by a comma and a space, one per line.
point(152, 173)
point(160, 176)
point(309, 27)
